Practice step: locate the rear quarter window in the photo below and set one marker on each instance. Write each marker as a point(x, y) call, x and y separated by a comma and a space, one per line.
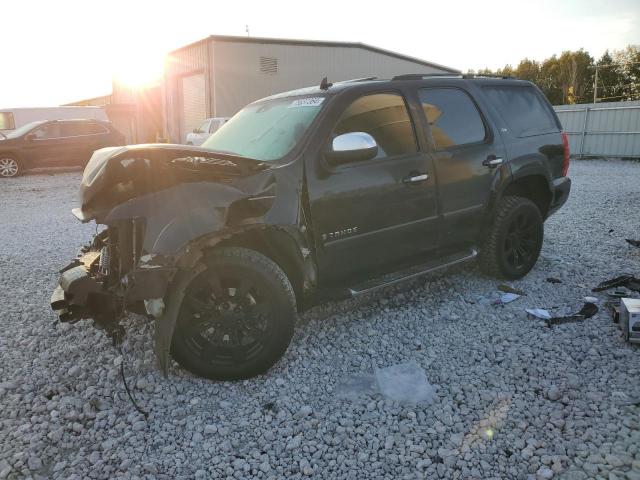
point(523, 109)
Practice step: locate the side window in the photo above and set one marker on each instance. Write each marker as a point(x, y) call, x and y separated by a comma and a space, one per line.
point(49, 131)
point(453, 118)
point(384, 116)
point(215, 125)
point(72, 129)
point(93, 128)
point(204, 128)
point(522, 108)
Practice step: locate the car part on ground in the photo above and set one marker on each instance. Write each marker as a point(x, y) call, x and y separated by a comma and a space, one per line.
point(626, 280)
point(635, 243)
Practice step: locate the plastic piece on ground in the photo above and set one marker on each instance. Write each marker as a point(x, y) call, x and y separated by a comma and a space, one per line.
point(507, 298)
point(405, 383)
point(539, 313)
point(354, 386)
point(553, 280)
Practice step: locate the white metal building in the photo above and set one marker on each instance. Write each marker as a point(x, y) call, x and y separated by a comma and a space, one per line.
point(217, 76)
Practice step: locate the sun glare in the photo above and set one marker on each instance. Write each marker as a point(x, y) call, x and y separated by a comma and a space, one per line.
point(138, 70)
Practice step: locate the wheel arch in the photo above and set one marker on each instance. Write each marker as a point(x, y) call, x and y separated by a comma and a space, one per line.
point(287, 249)
point(533, 187)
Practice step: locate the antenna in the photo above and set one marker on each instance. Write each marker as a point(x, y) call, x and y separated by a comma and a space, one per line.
point(324, 85)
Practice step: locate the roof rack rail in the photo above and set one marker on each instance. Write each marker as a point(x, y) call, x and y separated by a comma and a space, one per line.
point(488, 75)
point(353, 80)
point(421, 76)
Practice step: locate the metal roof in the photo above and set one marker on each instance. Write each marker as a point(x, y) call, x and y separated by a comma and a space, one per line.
point(316, 43)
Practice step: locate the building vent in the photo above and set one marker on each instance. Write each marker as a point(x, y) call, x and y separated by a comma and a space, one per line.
point(268, 65)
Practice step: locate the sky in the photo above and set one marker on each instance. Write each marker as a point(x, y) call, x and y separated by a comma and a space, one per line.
point(55, 52)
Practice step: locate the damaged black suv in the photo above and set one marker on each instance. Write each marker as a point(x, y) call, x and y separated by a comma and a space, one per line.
point(324, 192)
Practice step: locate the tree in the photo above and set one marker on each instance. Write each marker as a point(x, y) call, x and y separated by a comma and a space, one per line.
point(610, 79)
point(628, 66)
point(576, 76)
point(570, 77)
point(528, 70)
point(548, 80)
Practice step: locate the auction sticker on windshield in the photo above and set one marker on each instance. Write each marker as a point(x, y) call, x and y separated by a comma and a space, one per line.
point(306, 102)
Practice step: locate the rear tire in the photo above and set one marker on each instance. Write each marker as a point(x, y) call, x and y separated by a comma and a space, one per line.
point(512, 245)
point(10, 167)
point(237, 317)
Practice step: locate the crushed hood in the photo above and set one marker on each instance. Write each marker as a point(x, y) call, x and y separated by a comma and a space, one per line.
point(114, 175)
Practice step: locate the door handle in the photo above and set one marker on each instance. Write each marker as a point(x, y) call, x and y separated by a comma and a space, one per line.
point(416, 178)
point(492, 161)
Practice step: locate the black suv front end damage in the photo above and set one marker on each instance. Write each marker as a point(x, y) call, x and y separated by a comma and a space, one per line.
point(163, 206)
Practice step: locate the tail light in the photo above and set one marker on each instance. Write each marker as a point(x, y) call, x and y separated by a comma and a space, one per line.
point(565, 163)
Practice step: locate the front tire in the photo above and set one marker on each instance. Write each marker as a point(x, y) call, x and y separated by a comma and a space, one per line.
point(237, 317)
point(9, 167)
point(513, 242)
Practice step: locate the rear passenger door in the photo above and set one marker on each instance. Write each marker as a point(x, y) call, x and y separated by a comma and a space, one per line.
point(76, 141)
point(467, 155)
point(45, 146)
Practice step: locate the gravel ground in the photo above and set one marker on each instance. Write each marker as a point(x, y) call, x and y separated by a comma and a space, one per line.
point(514, 399)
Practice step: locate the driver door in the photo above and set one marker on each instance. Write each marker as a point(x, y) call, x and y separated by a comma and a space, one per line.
point(370, 214)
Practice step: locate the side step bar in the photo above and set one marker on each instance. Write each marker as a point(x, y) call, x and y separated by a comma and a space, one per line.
point(413, 272)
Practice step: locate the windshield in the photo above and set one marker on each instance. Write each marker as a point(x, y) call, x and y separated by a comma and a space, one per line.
point(266, 130)
point(23, 129)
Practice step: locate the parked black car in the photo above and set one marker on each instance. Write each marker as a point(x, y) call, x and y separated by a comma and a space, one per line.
point(325, 192)
point(54, 143)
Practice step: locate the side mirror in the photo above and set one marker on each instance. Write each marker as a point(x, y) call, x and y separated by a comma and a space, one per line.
point(30, 137)
point(352, 147)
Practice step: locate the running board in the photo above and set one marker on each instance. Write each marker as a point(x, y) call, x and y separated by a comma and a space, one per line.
point(413, 272)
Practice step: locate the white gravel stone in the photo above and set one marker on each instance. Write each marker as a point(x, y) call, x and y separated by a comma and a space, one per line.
point(514, 399)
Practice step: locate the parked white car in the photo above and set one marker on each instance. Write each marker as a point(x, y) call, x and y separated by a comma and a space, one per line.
point(204, 131)
point(12, 118)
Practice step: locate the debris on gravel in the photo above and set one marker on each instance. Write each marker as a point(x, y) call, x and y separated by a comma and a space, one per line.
point(513, 399)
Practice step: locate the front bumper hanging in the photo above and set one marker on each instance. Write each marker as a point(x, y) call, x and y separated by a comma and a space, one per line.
point(81, 291)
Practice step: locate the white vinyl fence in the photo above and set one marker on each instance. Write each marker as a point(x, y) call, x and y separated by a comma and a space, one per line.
point(602, 129)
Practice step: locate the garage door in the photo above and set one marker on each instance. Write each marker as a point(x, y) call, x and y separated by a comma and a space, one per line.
point(193, 104)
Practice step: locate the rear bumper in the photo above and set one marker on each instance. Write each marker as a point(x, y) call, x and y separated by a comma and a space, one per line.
point(560, 193)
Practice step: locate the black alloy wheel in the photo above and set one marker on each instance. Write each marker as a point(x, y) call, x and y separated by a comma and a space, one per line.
point(521, 242)
point(236, 318)
point(513, 241)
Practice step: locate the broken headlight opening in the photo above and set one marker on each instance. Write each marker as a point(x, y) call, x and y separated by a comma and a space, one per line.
point(110, 275)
